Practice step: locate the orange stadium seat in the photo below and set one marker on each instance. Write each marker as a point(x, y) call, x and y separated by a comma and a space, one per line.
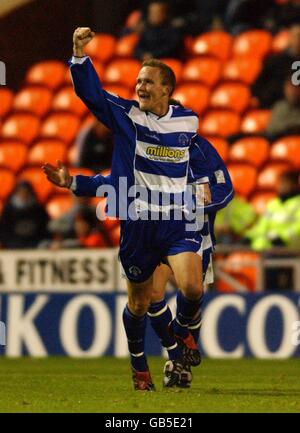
point(114, 235)
point(116, 89)
point(81, 170)
point(61, 126)
point(287, 149)
point(108, 222)
point(252, 43)
point(125, 45)
point(254, 150)
point(268, 177)
point(13, 155)
point(67, 100)
point(99, 68)
point(37, 178)
point(47, 151)
point(281, 41)
point(23, 127)
point(243, 69)
point(50, 73)
point(221, 123)
point(215, 43)
point(243, 177)
point(101, 47)
point(259, 200)
point(176, 66)
point(221, 146)
point(122, 71)
point(59, 204)
point(255, 121)
point(204, 69)
point(193, 95)
point(233, 96)
point(36, 100)
point(242, 266)
point(72, 156)
point(6, 100)
point(7, 182)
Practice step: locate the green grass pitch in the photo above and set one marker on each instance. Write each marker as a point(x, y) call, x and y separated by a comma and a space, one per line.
point(104, 385)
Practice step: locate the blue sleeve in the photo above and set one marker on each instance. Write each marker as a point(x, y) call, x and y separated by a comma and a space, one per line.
point(87, 186)
point(207, 165)
point(106, 107)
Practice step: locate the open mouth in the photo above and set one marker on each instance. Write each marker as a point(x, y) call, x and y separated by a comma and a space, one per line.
point(144, 97)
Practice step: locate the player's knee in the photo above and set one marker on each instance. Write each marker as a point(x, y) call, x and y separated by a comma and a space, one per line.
point(139, 307)
point(192, 289)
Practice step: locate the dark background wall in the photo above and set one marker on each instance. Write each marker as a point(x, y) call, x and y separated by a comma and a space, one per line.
point(43, 30)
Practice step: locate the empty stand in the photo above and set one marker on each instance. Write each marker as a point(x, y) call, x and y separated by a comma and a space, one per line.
point(13, 155)
point(67, 100)
point(23, 127)
point(36, 100)
point(287, 149)
point(259, 200)
point(220, 123)
point(101, 47)
point(254, 150)
point(50, 73)
point(176, 66)
point(47, 151)
point(232, 96)
point(119, 90)
point(122, 71)
point(243, 69)
point(269, 176)
point(61, 126)
point(7, 182)
point(125, 45)
point(280, 41)
point(221, 145)
point(193, 95)
point(6, 100)
point(215, 43)
point(255, 121)
point(202, 69)
point(243, 177)
point(252, 43)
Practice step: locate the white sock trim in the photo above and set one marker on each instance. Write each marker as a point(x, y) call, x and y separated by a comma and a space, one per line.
point(196, 326)
point(137, 355)
point(159, 313)
point(184, 326)
point(171, 347)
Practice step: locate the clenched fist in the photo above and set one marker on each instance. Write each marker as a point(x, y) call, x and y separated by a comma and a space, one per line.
point(81, 37)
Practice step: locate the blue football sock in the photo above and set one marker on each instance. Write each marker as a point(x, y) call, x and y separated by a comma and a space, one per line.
point(160, 317)
point(135, 330)
point(185, 313)
point(195, 325)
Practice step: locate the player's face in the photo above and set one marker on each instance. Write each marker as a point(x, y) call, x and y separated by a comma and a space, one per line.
point(152, 94)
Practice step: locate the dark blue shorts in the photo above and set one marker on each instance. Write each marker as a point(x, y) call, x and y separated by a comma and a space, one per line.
point(144, 244)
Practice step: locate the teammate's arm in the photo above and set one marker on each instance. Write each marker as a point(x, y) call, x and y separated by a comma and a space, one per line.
point(207, 165)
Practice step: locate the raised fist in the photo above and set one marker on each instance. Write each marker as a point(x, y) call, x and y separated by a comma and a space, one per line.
point(81, 37)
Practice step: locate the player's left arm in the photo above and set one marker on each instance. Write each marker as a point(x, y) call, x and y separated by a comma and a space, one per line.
point(206, 165)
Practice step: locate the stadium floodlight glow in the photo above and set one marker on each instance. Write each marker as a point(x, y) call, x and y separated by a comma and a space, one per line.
point(2, 74)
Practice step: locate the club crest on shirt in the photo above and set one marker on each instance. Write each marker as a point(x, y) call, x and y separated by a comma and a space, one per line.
point(183, 139)
point(135, 271)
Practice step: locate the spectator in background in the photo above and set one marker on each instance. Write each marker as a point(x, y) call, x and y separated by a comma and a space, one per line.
point(280, 223)
point(94, 147)
point(285, 15)
point(268, 87)
point(232, 221)
point(159, 38)
point(242, 15)
point(24, 221)
point(285, 116)
point(88, 232)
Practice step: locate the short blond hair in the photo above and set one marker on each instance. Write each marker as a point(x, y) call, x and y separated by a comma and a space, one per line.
point(167, 74)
